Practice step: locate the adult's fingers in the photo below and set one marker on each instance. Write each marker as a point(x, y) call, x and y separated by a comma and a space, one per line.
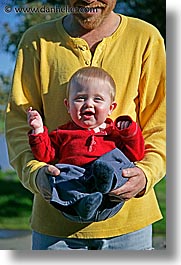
point(135, 184)
point(52, 170)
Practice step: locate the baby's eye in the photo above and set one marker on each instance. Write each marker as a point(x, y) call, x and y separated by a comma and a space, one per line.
point(79, 98)
point(98, 99)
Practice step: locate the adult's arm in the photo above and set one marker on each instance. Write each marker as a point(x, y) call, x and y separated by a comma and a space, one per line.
point(25, 92)
point(151, 116)
point(152, 113)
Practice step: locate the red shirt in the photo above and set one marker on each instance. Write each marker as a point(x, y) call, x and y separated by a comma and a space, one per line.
point(70, 144)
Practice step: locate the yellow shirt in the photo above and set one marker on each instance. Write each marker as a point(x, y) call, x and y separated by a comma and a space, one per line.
point(135, 57)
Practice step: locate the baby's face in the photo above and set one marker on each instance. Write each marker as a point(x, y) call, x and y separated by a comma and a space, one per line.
point(89, 104)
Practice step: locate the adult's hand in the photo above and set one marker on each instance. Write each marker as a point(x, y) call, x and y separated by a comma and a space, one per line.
point(42, 180)
point(134, 187)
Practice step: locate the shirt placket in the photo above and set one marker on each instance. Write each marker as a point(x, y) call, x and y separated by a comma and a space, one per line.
point(98, 54)
point(93, 142)
point(86, 56)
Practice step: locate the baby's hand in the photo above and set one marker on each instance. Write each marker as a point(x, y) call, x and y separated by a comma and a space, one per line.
point(35, 120)
point(123, 124)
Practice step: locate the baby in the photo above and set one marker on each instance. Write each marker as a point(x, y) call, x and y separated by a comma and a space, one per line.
point(91, 150)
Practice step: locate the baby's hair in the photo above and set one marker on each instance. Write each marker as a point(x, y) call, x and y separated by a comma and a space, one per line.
point(95, 74)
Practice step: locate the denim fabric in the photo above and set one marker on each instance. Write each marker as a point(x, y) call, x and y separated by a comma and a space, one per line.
point(138, 240)
point(75, 182)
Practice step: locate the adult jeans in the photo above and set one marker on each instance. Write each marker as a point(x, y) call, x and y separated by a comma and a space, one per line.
point(138, 240)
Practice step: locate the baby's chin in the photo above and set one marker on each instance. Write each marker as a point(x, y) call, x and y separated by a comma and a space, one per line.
point(88, 125)
point(96, 128)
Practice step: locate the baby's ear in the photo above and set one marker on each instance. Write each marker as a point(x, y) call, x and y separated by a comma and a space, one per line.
point(112, 107)
point(66, 104)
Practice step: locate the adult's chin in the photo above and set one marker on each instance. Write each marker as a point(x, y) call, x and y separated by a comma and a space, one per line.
point(89, 21)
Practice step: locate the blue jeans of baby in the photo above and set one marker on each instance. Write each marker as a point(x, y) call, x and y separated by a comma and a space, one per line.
point(75, 182)
point(138, 240)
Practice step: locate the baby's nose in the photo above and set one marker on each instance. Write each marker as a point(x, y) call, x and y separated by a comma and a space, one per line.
point(89, 103)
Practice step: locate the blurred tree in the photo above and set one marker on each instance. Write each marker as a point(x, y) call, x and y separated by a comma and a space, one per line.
point(5, 81)
point(152, 11)
point(10, 36)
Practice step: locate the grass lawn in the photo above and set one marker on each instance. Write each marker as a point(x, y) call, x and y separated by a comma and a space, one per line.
point(16, 204)
point(1, 126)
point(159, 228)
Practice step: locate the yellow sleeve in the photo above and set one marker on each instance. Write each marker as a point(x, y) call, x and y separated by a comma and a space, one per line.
point(152, 113)
point(25, 92)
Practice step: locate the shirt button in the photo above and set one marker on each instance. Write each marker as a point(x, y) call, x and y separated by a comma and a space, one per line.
point(84, 48)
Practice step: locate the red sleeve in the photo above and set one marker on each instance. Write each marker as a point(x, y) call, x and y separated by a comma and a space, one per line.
point(131, 139)
point(44, 146)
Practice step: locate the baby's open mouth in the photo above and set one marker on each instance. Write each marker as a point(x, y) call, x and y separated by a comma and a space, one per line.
point(87, 113)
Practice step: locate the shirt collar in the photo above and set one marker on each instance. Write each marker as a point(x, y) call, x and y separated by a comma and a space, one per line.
point(104, 128)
